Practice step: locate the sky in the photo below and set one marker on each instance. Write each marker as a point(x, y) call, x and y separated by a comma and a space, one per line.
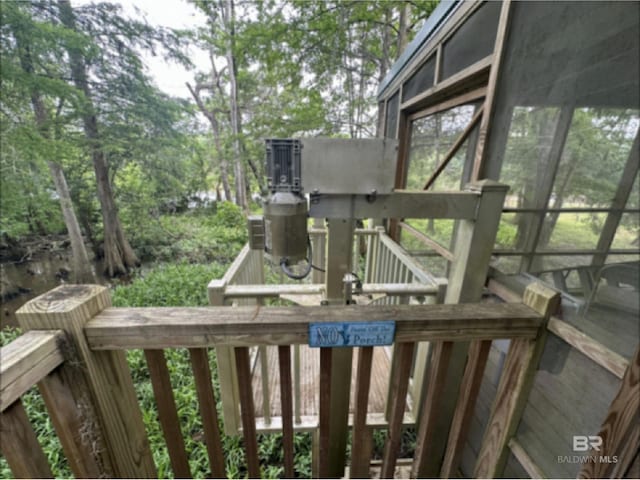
point(169, 77)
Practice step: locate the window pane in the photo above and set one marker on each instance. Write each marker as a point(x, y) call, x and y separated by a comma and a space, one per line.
point(431, 139)
point(513, 230)
point(421, 80)
point(473, 41)
point(628, 232)
point(634, 198)
point(507, 264)
point(547, 263)
point(526, 157)
point(571, 231)
point(594, 157)
point(392, 116)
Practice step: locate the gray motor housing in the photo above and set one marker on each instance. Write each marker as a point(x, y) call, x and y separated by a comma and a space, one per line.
point(285, 226)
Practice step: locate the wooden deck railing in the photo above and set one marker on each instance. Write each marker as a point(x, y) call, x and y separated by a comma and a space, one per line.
point(92, 389)
point(390, 277)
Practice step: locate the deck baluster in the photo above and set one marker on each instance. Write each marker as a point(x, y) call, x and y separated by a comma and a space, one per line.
point(167, 413)
point(361, 443)
point(247, 411)
point(284, 358)
point(208, 412)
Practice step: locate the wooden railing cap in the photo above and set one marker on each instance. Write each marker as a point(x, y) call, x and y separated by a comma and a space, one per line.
point(486, 186)
point(542, 298)
point(66, 299)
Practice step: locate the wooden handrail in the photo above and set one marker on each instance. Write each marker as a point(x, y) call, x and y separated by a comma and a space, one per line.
point(266, 291)
point(26, 361)
point(168, 327)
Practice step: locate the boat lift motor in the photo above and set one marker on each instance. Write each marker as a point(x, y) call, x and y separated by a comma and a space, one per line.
point(286, 240)
point(337, 172)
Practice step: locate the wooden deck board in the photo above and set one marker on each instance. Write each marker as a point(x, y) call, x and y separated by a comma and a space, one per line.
point(309, 382)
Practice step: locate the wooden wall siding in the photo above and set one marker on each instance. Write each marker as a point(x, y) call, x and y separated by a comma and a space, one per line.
point(557, 403)
point(514, 387)
point(620, 431)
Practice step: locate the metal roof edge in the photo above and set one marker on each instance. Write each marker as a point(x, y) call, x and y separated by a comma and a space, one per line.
point(430, 27)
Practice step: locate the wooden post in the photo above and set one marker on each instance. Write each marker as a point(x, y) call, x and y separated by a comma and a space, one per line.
point(227, 374)
point(489, 103)
point(339, 251)
point(318, 242)
point(105, 373)
point(33, 358)
point(75, 426)
point(514, 387)
point(20, 446)
point(620, 431)
point(472, 250)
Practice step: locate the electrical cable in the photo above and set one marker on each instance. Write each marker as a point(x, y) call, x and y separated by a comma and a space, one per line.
point(284, 265)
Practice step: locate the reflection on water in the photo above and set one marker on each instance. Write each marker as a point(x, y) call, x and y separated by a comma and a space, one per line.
point(23, 281)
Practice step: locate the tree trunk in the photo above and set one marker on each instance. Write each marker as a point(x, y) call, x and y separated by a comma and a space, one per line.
point(118, 254)
point(384, 66)
point(403, 28)
point(224, 167)
point(215, 129)
point(238, 170)
point(81, 269)
point(257, 175)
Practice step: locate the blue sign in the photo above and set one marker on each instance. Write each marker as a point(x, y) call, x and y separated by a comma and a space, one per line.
point(352, 334)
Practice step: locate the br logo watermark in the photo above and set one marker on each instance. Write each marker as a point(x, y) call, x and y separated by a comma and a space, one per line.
point(587, 443)
point(583, 443)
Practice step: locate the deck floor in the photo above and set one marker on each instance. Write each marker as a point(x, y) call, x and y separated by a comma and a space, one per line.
point(310, 381)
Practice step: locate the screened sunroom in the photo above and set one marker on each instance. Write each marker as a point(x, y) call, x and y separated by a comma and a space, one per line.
point(543, 97)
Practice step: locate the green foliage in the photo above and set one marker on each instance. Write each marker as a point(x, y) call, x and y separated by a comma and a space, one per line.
point(198, 236)
point(169, 285)
point(185, 285)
